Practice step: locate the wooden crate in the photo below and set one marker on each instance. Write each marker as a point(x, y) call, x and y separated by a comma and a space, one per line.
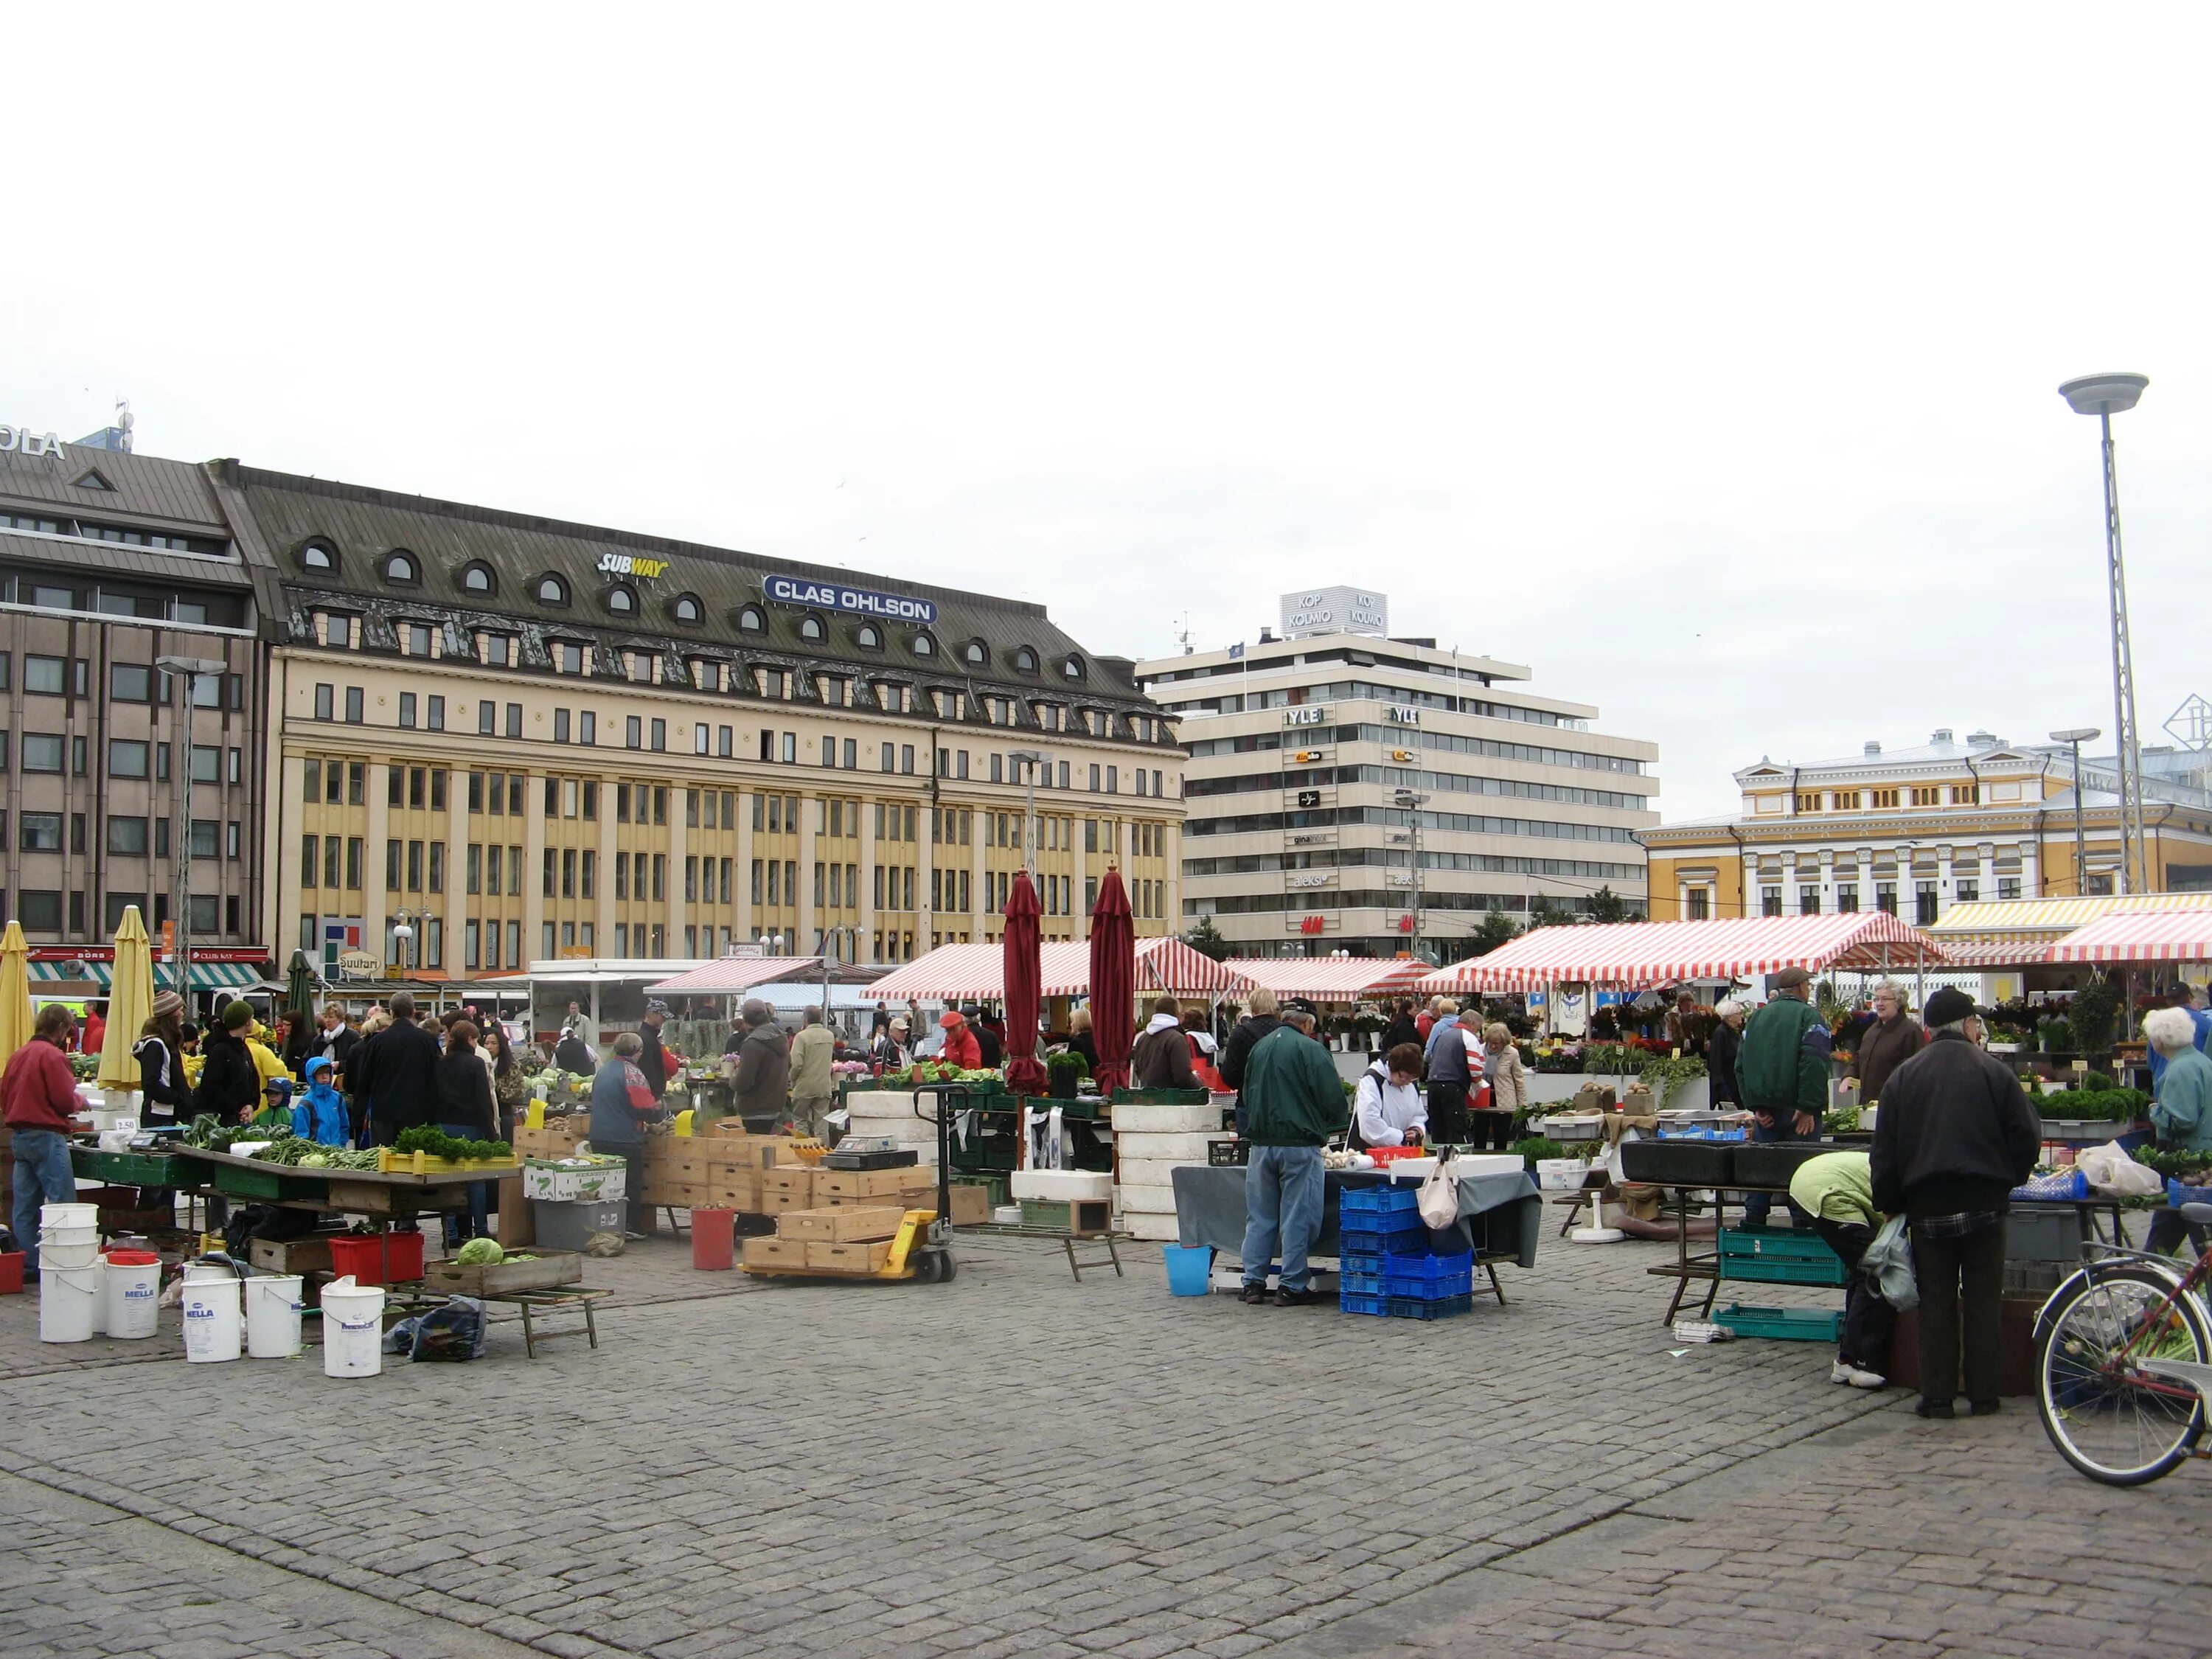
point(779, 1203)
point(678, 1195)
point(544, 1270)
point(735, 1189)
point(311, 1254)
point(848, 1258)
point(840, 1226)
point(796, 1179)
point(1085, 1218)
point(870, 1183)
point(380, 1198)
point(775, 1253)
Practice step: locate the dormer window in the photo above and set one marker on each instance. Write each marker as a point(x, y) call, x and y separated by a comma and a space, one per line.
point(1071, 668)
point(334, 629)
point(811, 631)
point(751, 620)
point(1026, 660)
point(706, 674)
point(641, 666)
point(414, 638)
point(975, 654)
point(478, 579)
point(499, 649)
point(551, 590)
point(687, 608)
point(318, 556)
point(621, 601)
point(569, 658)
point(870, 635)
point(923, 646)
point(400, 567)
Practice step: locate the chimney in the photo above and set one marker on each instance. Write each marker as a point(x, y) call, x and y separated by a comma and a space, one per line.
point(1984, 740)
point(1266, 638)
point(1874, 748)
point(1942, 735)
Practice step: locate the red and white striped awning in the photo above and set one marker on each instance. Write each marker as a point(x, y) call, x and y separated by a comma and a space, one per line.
point(1997, 953)
point(977, 973)
point(728, 975)
point(1641, 954)
point(2140, 936)
point(1331, 979)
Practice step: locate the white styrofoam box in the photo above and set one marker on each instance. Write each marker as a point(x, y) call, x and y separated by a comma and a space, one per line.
point(1562, 1175)
point(883, 1102)
point(1147, 1201)
point(1469, 1164)
point(1158, 1229)
point(1133, 1118)
point(1006, 1215)
point(1062, 1186)
point(1167, 1149)
point(1154, 1171)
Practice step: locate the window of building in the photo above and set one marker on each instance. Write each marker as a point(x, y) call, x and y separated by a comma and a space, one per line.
point(661, 734)
point(1847, 801)
point(751, 620)
point(588, 728)
point(2007, 887)
point(621, 601)
point(406, 708)
point(436, 714)
point(811, 630)
point(975, 654)
point(870, 635)
point(1965, 794)
point(40, 832)
point(923, 646)
point(1847, 896)
point(1026, 660)
point(47, 676)
point(400, 567)
point(477, 578)
point(354, 710)
point(318, 556)
point(1071, 668)
point(498, 649)
point(1931, 796)
point(128, 837)
point(514, 720)
point(1885, 895)
point(1923, 904)
point(1808, 901)
point(1809, 802)
point(1884, 797)
point(551, 590)
point(1968, 891)
point(126, 758)
point(414, 639)
point(1697, 901)
point(561, 717)
point(487, 718)
point(686, 608)
point(323, 708)
point(130, 682)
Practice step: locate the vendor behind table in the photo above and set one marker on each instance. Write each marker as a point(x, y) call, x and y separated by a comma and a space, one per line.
point(1388, 1109)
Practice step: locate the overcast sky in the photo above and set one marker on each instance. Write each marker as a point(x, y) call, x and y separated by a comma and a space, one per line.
point(1703, 360)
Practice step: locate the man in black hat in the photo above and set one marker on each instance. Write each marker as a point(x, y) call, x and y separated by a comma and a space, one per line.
point(1954, 1136)
point(654, 1061)
point(1782, 1074)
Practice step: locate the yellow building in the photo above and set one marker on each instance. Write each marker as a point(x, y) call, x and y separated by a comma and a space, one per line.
point(528, 739)
point(1917, 830)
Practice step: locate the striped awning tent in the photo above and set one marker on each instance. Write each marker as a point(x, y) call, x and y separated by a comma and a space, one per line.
point(730, 974)
point(1643, 954)
point(2125, 936)
point(977, 973)
point(206, 975)
point(1331, 978)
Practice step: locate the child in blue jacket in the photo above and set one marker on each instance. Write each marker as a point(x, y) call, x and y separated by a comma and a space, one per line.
point(320, 1114)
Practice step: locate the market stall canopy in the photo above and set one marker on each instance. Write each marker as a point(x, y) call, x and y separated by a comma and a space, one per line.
point(1638, 954)
point(2048, 920)
point(206, 975)
point(726, 975)
point(2127, 936)
point(977, 973)
point(1331, 978)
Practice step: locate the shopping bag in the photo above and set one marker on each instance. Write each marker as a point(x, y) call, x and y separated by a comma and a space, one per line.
point(2111, 1170)
point(1439, 1200)
point(1888, 1262)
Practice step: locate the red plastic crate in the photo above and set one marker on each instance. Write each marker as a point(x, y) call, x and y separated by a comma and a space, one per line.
point(379, 1258)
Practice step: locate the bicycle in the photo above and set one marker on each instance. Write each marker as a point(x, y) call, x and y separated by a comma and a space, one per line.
point(2124, 1363)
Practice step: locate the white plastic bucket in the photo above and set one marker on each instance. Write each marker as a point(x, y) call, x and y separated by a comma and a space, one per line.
point(199, 1271)
point(68, 1236)
point(353, 1329)
point(272, 1316)
point(211, 1320)
point(69, 1215)
point(83, 1255)
point(98, 1292)
point(65, 1304)
point(132, 1299)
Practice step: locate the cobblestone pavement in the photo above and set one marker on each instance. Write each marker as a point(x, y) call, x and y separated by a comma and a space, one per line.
point(1017, 1464)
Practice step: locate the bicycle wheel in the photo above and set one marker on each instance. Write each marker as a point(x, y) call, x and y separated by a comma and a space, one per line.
point(2106, 1418)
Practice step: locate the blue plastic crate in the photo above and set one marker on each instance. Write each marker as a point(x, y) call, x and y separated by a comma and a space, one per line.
point(1410, 1307)
point(1377, 1305)
point(1361, 1284)
point(1376, 1201)
point(1429, 1266)
point(1430, 1290)
point(1405, 1241)
point(1352, 1261)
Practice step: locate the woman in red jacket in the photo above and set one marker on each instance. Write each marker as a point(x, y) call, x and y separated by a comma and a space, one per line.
point(960, 1048)
point(38, 1098)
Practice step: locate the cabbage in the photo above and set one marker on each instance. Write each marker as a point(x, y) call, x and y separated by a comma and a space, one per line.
point(481, 1253)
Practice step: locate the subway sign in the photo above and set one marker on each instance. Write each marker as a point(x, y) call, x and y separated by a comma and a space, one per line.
point(836, 596)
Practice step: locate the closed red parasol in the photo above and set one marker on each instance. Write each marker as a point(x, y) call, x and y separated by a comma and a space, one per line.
point(1113, 982)
point(1025, 1073)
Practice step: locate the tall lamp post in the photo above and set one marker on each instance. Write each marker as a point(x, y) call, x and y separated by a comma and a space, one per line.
point(1413, 800)
point(1032, 759)
point(2105, 395)
point(187, 672)
point(2073, 737)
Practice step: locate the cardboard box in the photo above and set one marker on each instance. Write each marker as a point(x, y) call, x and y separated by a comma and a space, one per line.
point(848, 1258)
point(870, 1183)
point(840, 1226)
point(775, 1252)
point(971, 1207)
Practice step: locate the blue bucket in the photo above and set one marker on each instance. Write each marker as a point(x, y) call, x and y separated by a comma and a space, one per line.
point(1190, 1272)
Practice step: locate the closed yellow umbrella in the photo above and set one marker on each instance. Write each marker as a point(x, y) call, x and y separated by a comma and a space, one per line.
point(15, 992)
point(129, 1002)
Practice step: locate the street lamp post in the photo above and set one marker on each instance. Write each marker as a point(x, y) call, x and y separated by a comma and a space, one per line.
point(403, 934)
point(1413, 800)
point(187, 671)
point(2105, 395)
point(2073, 737)
point(1032, 759)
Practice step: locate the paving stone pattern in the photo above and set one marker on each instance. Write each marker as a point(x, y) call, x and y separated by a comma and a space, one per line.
point(1017, 1464)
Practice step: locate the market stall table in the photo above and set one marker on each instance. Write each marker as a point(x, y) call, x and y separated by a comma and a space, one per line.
point(1500, 1215)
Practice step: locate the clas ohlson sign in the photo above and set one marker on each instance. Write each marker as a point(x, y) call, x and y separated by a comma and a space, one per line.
point(831, 595)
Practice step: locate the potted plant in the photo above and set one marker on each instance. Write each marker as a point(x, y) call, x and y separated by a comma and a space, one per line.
point(1064, 1074)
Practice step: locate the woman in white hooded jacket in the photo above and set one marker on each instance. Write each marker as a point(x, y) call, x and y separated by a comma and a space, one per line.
point(1388, 1106)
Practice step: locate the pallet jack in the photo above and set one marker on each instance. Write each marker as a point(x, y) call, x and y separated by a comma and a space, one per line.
point(922, 1247)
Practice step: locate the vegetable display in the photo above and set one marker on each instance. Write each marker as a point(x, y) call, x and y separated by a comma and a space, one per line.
point(481, 1253)
point(436, 1143)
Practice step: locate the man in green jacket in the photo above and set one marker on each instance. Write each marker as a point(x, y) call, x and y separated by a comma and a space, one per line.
point(1782, 1074)
point(1292, 1101)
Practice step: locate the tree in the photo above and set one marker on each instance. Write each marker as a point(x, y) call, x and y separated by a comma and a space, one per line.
point(1206, 938)
point(1542, 913)
point(1497, 929)
point(1606, 905)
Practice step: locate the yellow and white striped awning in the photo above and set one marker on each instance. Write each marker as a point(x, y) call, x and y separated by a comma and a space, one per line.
point(2011, 922)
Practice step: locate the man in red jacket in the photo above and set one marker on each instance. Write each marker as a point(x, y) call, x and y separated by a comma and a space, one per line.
point(38, 1098)
point(960, 1048)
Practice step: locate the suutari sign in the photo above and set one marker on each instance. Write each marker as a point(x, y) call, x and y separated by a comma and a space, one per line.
point(831, 595)
point(21, 441)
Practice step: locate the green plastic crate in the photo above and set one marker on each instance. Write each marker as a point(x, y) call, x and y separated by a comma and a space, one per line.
point(1779, 1258)
point(994, 1186)
point(1783, 1324)
point(129, 1169)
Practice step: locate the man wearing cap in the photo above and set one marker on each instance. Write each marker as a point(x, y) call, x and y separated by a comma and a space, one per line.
point(654, 1061)
point(1782, 1074)
point(761, 1090)
point(1954, 1137)
point(812, 1097)
point(2191, 1001)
